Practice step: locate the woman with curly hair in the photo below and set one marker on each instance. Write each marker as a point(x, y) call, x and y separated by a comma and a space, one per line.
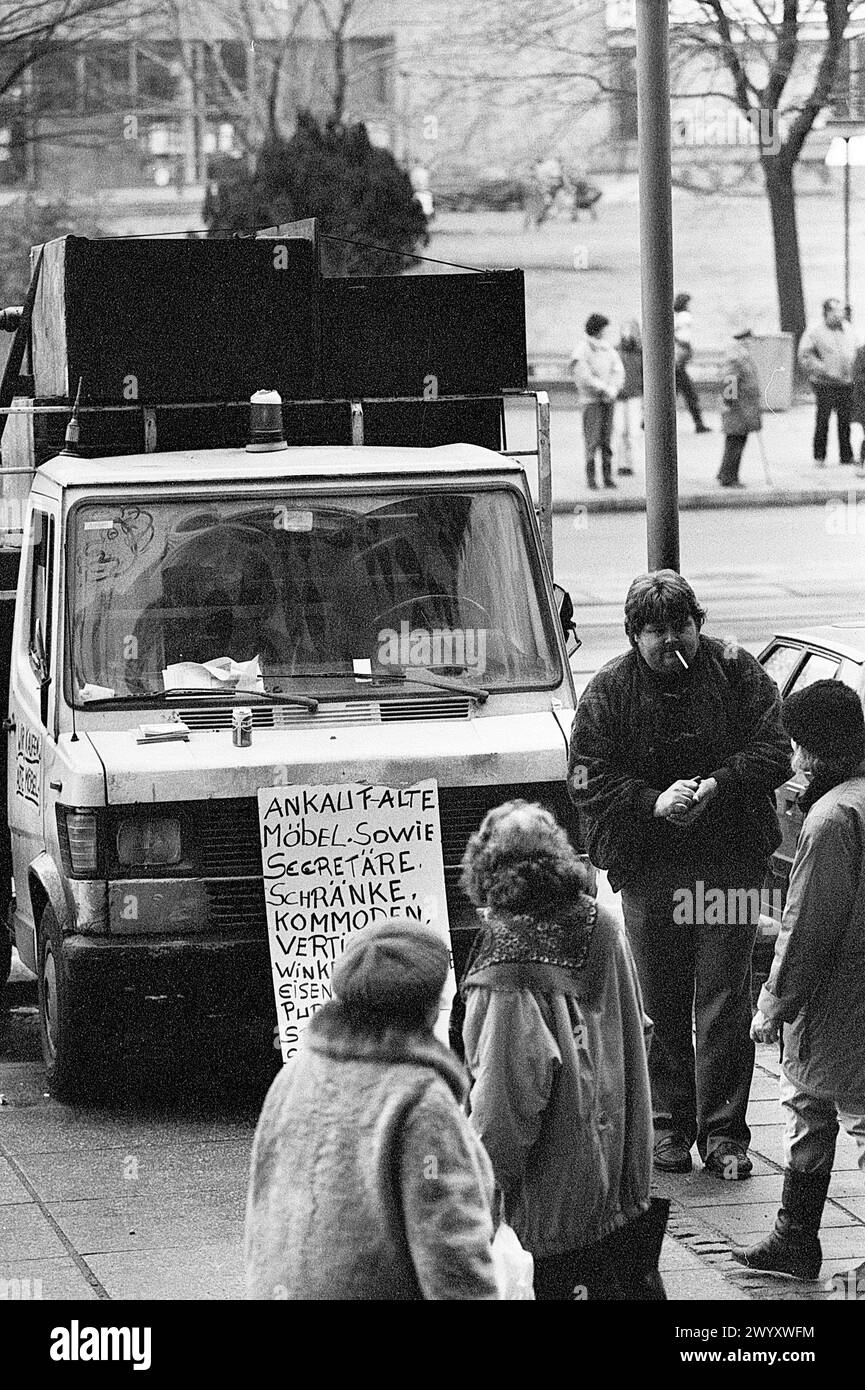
point(555, 1041)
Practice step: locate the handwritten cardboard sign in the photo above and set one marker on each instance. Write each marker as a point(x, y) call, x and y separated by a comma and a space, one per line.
point(337, 859)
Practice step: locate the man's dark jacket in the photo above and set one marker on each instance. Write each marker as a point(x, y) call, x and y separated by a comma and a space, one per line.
point(635, 733)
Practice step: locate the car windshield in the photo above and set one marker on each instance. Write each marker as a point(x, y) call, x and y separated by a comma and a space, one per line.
point(302, 594)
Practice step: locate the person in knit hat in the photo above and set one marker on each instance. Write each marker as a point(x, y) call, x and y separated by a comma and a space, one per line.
point(555, 1041)
point(816, 987)
point(741, 404)
point(367, 1180)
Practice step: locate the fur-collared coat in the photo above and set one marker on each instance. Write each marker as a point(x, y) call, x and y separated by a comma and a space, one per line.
point(560, 1083)
point(367, 1180)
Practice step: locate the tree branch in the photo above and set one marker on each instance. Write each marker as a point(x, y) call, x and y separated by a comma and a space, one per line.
point(837, 15)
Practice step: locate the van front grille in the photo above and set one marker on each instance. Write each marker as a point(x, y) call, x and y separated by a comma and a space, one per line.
point(222, 841)
point(408, 709)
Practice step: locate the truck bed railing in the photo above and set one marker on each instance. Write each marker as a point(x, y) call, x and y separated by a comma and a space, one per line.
point(149, 418)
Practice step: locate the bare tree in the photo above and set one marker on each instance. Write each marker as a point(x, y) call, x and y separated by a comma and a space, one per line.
point(30, 29)
point(263, 97)
point(267, 38)
point(782, 74)
point(335, 19)
point(776, 62)
point(32, 34)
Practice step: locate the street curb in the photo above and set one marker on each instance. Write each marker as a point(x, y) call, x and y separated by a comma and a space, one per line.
point(714, 1246)
point(711, 501)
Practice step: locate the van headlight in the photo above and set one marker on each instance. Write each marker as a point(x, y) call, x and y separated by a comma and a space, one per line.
point(147, 840)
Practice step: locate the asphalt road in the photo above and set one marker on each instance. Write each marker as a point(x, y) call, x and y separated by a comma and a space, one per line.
point(754, 571)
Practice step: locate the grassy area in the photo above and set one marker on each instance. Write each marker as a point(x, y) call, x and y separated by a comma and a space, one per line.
point(722, 252)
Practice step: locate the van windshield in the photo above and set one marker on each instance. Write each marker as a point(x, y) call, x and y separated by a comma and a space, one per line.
point(305, 593)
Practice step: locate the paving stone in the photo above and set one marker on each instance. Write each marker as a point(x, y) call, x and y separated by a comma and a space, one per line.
point(138, 1223)
point(768, 1140)
point(847, 1156)
point(141, 1170)
point(763, 1167)
point(846, 1185)
point(838, 1242)
point(764, 1112)
point(48, 1278)
point(11, 1187)
point(687, 1284)
point(702, 1190)
point(675, 1255)
point(734, 1218)
point(64, 1130)
point(763, 1088)
point(212, 1270)
point(26, 1235)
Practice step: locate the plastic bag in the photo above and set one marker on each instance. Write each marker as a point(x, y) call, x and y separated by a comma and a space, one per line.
point(515, 1268)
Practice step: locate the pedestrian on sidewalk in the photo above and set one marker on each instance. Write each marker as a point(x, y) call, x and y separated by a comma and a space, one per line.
point(683, 329)
point(816, 987)
point(676, 751)
point(629, 409)
point(367, 1180)
point(555, 1040)
point(826, 355)
point(598, 374)
point(741, 412)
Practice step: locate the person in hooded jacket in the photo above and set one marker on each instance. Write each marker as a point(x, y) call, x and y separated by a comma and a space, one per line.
point(367, 1181)
point(816, 987)
point(555, 1041)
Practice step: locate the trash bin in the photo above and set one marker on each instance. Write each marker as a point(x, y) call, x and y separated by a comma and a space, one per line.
point(774, 360)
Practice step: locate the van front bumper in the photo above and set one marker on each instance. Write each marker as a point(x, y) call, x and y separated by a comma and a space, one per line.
point(210, 970)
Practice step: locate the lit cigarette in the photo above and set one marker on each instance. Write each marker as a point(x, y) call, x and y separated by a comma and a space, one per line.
point(681, 658)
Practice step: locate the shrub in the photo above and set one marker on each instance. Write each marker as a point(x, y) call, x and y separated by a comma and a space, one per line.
point(357, 192)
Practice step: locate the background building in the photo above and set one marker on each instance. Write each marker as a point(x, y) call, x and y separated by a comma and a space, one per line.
point(127, 125)
point(130, 123)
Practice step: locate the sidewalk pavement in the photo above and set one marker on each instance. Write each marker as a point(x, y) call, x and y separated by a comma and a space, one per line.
point(710, 1218)
point(777, 466)
point(150, 1205)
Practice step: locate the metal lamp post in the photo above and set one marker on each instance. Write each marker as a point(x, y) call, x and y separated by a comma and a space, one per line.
point(846, 151)
point(656, 257)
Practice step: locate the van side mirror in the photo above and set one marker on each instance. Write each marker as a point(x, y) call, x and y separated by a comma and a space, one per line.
point(565, 606)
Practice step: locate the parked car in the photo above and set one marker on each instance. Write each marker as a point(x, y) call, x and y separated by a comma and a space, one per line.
point(794, 660)
point(466, 189)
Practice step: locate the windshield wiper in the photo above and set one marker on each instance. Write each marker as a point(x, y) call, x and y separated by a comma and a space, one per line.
point(184, 692)
point(419, 675)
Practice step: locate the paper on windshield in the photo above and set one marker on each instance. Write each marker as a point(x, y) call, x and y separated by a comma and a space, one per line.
point(89, 691)
point(220, 674)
